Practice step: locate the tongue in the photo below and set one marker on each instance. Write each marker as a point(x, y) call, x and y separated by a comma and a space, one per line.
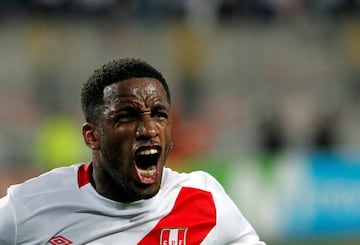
point(147, 176)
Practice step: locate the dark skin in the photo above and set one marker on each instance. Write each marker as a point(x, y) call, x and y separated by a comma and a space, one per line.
point(135, 120)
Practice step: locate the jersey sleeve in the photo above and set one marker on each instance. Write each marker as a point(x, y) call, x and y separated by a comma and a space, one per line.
point(231, 225)
point(7, 221)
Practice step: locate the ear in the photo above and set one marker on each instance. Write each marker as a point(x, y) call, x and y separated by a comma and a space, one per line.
point(90, 136)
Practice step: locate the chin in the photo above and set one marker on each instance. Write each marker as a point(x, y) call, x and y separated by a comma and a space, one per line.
point(146, 192)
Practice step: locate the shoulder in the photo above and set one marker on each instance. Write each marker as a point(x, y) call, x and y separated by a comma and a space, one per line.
point(195, 179)
point(7, 224)
point(56, 180)
point(202, 189)
point(28, 202)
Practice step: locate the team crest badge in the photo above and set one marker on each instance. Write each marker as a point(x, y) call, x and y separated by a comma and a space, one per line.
point(173, 236)
point(60, 240)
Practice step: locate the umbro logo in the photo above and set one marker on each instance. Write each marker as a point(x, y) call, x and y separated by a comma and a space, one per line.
point(60, 240)
point(173, 236)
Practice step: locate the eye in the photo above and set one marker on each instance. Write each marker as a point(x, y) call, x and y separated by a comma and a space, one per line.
point(160, 115)
point(126, 117)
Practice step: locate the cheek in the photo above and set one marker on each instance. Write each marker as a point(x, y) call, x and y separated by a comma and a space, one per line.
point(168, 137)
point(169, 134)
point(117, 142)
point(169, 130)
point(165, 129)
point(123, 132)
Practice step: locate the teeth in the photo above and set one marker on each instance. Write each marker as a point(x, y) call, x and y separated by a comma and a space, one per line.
point(148, 172)
point(148, 152)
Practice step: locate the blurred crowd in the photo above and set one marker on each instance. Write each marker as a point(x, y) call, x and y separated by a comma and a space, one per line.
point(156, 10)
point(248, 76)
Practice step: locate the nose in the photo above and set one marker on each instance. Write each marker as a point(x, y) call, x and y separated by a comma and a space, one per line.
point(146, 128)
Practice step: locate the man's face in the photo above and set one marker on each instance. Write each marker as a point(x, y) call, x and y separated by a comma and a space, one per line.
point(134, 139)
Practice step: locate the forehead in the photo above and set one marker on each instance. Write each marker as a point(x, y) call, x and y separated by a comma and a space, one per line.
point(135, 89)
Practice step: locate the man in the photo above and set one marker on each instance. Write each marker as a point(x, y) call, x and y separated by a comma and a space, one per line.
point(125, 195)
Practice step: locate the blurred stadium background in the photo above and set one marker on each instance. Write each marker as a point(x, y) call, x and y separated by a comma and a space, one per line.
point(266, 98)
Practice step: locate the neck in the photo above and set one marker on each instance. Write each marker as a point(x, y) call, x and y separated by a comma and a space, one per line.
point(105, 185)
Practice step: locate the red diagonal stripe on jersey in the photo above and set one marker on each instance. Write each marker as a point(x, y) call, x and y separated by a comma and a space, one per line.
point(83, 174)
point(193, 209)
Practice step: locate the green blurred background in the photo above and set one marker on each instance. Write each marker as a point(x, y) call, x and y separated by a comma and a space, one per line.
point(266, 98)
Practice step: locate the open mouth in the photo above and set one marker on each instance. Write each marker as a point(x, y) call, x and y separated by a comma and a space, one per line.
point(146, 162)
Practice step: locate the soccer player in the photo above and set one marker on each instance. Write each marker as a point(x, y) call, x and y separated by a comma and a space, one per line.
point(125, 194)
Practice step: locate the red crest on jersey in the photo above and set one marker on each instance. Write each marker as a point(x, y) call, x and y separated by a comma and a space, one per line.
point(173, 236)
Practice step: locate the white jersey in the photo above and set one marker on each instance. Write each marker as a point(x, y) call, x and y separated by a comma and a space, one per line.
point(62, 207)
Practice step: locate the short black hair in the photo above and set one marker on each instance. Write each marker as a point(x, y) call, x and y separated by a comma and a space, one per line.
point(92, 92)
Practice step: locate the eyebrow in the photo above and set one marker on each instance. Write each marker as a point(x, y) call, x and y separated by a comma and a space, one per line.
point(161, 106)
point(131, 107)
